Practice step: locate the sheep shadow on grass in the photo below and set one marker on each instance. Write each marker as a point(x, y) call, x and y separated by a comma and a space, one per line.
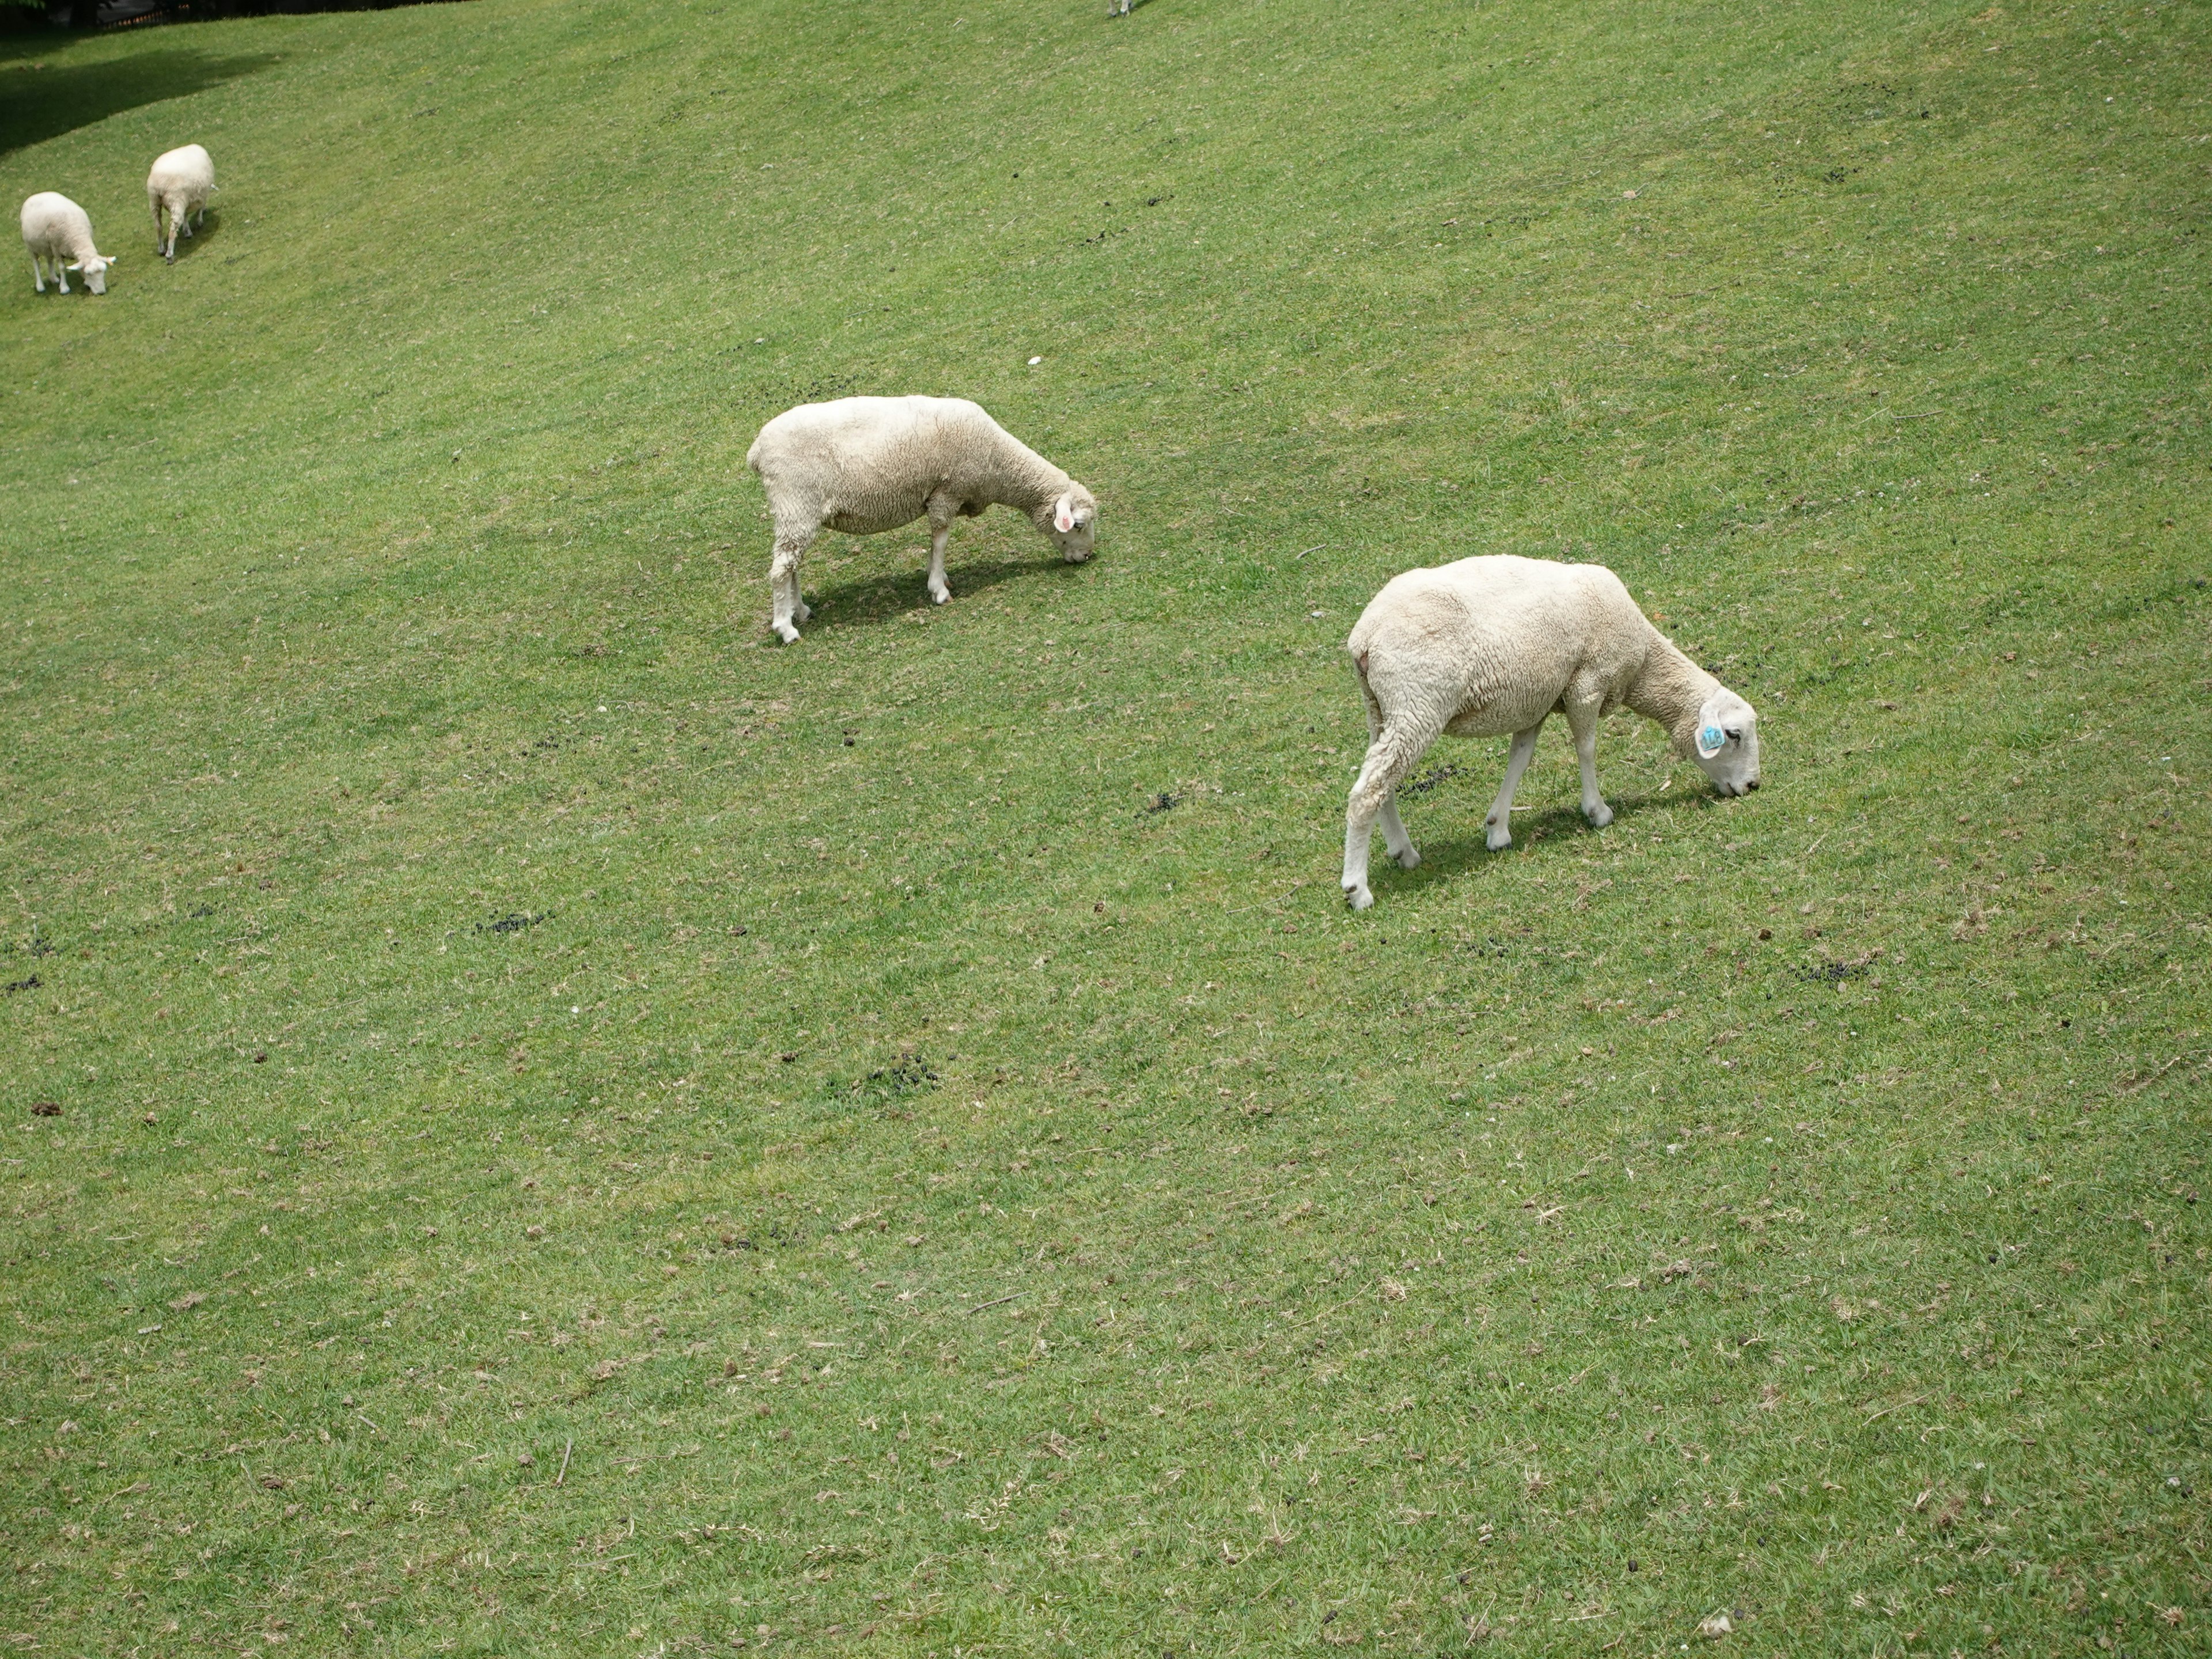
point(1456, 845)
point(880, 596)
point(187, 245)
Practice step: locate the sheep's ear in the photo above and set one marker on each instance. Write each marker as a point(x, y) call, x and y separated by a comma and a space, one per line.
point(1712, 737)
point(1063, 517)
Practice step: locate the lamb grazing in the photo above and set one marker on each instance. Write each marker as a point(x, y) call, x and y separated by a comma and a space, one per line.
point(863, 465)
point(1489, 645)
point(56, 228)
point(181, 181)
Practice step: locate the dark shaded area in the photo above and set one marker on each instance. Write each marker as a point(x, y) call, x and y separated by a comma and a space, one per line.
point(109, 14)
point(204, 228)
point(1448, 850)
point(888, 597)
point(38, 101)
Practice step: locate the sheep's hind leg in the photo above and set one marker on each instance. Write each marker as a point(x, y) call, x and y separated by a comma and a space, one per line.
point(1389, 758)
point(38, 274)
point(1499, 824)
point(154, 203)
point(1394, 837)
point(1394, 832)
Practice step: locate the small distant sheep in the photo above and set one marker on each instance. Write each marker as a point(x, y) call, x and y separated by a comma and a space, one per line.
point(56, 229)
point(181, 181)
point(864, 465)
point(1488, 646)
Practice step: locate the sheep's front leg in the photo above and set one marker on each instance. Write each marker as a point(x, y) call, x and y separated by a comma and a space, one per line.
point(1389, 758)
point(940, 512)
point(783, 586)
point(61, 273)
point(1499, 824)
point(1582, 722)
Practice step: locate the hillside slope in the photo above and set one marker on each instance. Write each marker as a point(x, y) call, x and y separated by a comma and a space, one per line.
point(570, 1119)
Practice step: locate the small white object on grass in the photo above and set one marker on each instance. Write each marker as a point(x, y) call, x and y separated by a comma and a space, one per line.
point(1034, 361)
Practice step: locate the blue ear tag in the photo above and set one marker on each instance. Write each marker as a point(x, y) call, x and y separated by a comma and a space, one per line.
point(1712, 741)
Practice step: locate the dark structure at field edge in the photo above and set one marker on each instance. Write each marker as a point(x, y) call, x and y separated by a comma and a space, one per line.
point(122, 14)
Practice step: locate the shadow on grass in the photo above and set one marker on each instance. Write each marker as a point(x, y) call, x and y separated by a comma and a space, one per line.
point(1449, 855)
point(188, 246)
point(867, 601)
point(40, 101)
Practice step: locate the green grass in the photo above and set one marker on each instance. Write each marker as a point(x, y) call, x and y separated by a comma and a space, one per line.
point(929, 1201)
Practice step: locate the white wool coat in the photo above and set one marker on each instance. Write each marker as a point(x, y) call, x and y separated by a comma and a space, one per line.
point(1490, 646)
point(57, 232)
point(181, 181)
point(863, 465)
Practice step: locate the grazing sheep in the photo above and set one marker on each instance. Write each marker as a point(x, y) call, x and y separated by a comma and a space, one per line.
point(867, 465)
point(56, 228)
point(181, 181)
point(1489, 645)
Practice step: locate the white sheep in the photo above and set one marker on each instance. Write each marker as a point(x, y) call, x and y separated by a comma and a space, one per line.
point(181, 181)
point(863, 465)
point(56, 228)
point(1489, 645)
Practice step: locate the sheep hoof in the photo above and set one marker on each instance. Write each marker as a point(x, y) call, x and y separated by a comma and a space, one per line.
point(1359, 897)
point(1498, 838)
point(940, 594)
point(1408, 860)
point(1600, 816)
point(787, 633)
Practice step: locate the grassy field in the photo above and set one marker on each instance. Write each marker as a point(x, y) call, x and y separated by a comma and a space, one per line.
point(532, 1118)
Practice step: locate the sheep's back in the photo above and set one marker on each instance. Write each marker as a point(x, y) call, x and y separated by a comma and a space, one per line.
point(876, 446)
point(48, 219)
point(1496, 641)
point(188, 168)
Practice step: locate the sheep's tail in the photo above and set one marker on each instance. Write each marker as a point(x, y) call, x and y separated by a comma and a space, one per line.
point(752, 454)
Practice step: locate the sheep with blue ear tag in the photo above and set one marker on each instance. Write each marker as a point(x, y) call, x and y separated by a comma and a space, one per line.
point(1490, 645)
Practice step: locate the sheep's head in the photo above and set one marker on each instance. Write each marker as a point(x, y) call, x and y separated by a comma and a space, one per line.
point(1072, 523)
point(95, 271)
point(1728, 742)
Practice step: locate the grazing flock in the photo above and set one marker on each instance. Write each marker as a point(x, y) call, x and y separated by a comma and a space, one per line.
point(1482, 647)
point(57, 232)
point(1479, 649)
